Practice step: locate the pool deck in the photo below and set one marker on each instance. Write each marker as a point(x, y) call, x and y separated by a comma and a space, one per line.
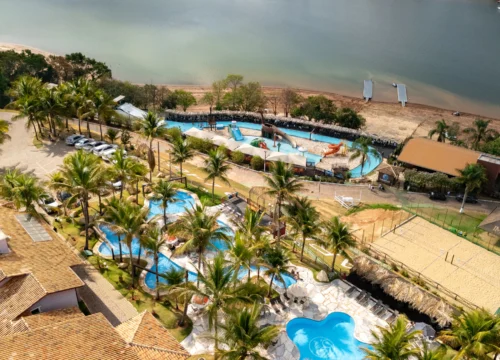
point(323, 298)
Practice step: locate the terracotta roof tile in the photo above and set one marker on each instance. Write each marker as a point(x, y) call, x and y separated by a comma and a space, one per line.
point(151, 353)
point(52, 317)
point(85, 338)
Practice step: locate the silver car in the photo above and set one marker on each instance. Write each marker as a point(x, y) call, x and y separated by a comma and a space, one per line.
point(84, 142)
point(73, 139)
point(92, 145)
point(100, 149)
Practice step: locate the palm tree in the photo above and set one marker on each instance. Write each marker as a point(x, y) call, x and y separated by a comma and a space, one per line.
point(474, 334)
point(175, 278)
point(165, 192)
point(139, 171)
point(153, 242)
point(22, 189)
point(393, 342)
point(304, 219)
point(337, 238)
point(4, 128)
point(479, 133)
point(181, 152)
point(217, 288)
point(51, 106)
point(29, 108)
point(81, 175)
point(80, 95)
point(25, 87)
point(251, 228)
point(473, 176)
point(151, 127)
point(428, 354)
point(240, 255)
point(363, 150)
point(441, 130)
point(243, 335)
point(112, 135)
point(276, 261)
point(283, 185)
point(122, 169)
point(113, 216)
point(200, 229)
point(217, 168)
point(104, 108)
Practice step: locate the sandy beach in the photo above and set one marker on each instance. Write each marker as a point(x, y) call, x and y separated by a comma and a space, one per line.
point(382, 118)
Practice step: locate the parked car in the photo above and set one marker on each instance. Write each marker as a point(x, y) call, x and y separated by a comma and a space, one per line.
point(84, 142)
point(92, 145)
point(116, 185)
point(101, 148)
point(63, 195)
point(49, 204)
point(73, 139)
point(106, 155)
point(471, 199)
point(436, 195)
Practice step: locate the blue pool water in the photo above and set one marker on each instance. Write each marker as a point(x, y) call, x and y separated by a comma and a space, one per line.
point(221, 244)
point(182, 201)
point(331, 338)
point(113, 240)
point(370, 165)
point(164, 264)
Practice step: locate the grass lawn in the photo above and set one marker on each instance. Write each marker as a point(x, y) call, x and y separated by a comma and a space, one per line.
point(363, 207)
point(163, 310)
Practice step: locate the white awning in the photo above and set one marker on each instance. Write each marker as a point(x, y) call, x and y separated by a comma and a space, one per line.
point(220, 140)
point(200, 134)
point(294, 159)
point(254, 151)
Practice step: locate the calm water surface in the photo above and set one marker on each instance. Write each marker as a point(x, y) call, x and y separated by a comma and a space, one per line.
point(446, 51)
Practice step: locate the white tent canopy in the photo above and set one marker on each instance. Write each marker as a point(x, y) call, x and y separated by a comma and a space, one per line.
point(254, 151)
point(200, 134)
point(294, 159)
point(219, 140)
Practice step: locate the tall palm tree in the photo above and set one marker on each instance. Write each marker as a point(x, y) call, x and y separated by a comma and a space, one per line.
point(104, 107)
point(240, 255)
point(165, 192)
point(22, 189)
point(81, 175)
point(363, 150)
point(174, 277)
point(217, 167)
point(153, 242)
point(304, 220)
point(474, 334)
point(473, 176)
point(200, 229)
point(428, 354)
point(242, 335)
point(440, 129)
point(122, 168)
point(139, 171)
point(283, 185)
point(251, 228)
point(25, 87)
point(80, 95)
point(217, 288)
point(479, 133)
point(276, 260)
point(29, 108)
point(337, 238)
point(152, 127)
point(393, 342)
point(4, 129)
point(113, 216)
point(181, 152)
point(51, 106)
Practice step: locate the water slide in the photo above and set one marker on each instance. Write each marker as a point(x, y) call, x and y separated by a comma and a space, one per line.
point(235, 132)
point(268, 129)
point(333, 149)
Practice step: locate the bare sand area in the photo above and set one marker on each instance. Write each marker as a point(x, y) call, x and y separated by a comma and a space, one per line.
point(369, 224)
point(382, 118)
point(430, 250)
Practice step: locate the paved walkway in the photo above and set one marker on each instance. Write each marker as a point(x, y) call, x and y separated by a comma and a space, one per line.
point(101, 297)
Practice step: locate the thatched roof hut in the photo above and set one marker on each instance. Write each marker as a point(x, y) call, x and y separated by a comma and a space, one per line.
point(403, 290)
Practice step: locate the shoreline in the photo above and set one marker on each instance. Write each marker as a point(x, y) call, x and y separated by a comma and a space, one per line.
point(382, 117)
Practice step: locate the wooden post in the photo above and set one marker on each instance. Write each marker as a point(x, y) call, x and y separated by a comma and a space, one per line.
point(446, 258)
point(392, 220)
point(363, 237)
point(382, 228)
point(452, 259)
point(444, 220)
point(373, 232)
point(158, 143)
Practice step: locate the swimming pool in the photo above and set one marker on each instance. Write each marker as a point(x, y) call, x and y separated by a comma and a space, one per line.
point(165, 264)
point(182, 201)
point(221, 244)
point(331, 338)
point(370, 165)
point(112, 238)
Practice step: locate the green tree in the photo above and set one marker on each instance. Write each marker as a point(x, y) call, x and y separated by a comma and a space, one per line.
point(240, 255)
point(492, 147)
point(123, 168)
point(151, 127)
point(479, 133)
point(317, 108)
point(22, 189)
point(200, 228)
point(282, 185)
point(337, 238)
point(112, 135)
point(51, 106)
point(81, 174)
point(361, 149)
point(242, 335)
point(218, 88)
point(304, 220)
point(233, 81)
point(473, 176)
point(209, 99)
point(29, 108)
point(441, 129)
point(349, 118)
point(174, 277)
point(474, 334)
point(181, 152)
point(86, 67)
point(4, 129)
point(113, 216)
point(289, 100)
point(428, 354)
point(217, 167)
point(276, 260)
point(393, 343)
point(153, 242)
point(237, 157)
point(251, 97)
point(257, 163)
point(184, 99)
point(104, 108)
point(165, 192)
point(125, 138)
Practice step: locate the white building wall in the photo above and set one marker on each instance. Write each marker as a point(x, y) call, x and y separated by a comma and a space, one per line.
point(59, 300)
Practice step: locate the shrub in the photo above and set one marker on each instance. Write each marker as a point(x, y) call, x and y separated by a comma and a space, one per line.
point(173, 134)
point(257, 163)
point(394, 267)
point(201, 145)
point(405, 274)
point(238, 157)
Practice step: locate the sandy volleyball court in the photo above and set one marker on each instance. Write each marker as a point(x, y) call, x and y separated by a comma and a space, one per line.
point(429, 249)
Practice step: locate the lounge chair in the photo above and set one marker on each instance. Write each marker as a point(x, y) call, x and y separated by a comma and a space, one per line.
point(374, 306)
point(365, 300)
point(350, 291)
point(355, 293)
point(380, 311)
point(283, 306)
point(360, 295)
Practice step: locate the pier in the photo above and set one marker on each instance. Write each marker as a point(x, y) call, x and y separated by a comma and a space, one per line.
point(402, 98)
point(368, 90)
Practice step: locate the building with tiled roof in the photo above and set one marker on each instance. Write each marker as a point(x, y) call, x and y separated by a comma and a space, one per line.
point(35, 271)
point(150, 339)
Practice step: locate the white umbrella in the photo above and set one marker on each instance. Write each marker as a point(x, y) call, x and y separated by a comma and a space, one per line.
point(294, 159)
point(200, 134)
point(297, 291)
point(219, 140)
point(232, 144)
point(254, 151)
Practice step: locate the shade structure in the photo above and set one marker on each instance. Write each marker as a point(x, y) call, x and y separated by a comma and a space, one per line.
point(232, 144)
point(427, 330)
point(220, 140)
point(200, 134)
point(297, 291)
point(254, 151)
point(294, 159)
point(491, 223)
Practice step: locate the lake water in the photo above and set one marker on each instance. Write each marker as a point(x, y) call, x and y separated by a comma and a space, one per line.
point(446, 51)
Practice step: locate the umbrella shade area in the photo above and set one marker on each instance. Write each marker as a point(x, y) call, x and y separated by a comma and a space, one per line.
point(200, 134)
point(232, 144)
point(219, 140)
point(254, 151)
point(426, 329)
point(297, 291)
